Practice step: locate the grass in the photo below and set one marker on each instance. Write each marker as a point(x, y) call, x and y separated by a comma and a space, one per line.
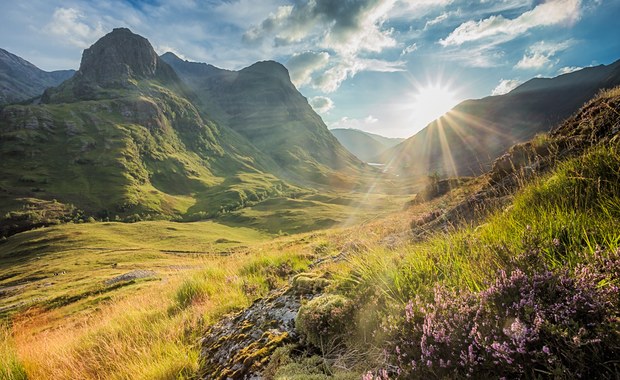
point(72, 262)
point(315, 211)
point(144, 329)
point(563, 219)
point(563, 214)
point(10, 366)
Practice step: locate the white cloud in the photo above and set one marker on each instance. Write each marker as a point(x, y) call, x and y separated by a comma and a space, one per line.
point(409, 49)
point(346, 29)
point(568, 69)
point(552, 12)
point(416, 9)
point(302, 65)
point(330, 80)
point(321, 104)
point(352, 123)
point(437, 20)
point(535, 61)
point(540, 55)
point(505, 86)
point(483, 56)
point(69, 25)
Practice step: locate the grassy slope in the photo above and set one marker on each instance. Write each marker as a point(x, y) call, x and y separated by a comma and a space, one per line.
point(202, 270)
point(565, 220)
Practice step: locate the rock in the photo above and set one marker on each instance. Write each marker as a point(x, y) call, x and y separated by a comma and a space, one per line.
point(240, 346)
point(117, 57)
point(133, 275)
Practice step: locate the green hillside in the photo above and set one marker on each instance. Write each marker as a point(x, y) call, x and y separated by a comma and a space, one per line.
point(121, 140)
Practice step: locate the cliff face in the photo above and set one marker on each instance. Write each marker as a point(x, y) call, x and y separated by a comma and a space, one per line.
point(119, 60)
point(120, 56)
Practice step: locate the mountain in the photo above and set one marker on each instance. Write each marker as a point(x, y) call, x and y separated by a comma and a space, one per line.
point(261, 103)
point(122, 138)
point(364, 145)
point(465, 140)
point(21, 80)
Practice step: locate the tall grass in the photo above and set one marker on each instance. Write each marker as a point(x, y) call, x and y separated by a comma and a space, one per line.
point(151, 335)
point(11, 367)
point(133, 338)
point(563, 214)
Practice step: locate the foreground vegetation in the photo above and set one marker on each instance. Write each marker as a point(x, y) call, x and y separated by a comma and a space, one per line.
point(528, 288)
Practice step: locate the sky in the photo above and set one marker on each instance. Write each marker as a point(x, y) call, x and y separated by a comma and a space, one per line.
point(384, 66)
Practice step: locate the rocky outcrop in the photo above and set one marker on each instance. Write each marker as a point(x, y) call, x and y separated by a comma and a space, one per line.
point(119, 56)
point(240, 346)
point(117, 60)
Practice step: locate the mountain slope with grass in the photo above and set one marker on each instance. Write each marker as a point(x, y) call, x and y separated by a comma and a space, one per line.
point(121, 138)
point(469, 137)
point(260, 103)
point(365, 146)
point(21, 80)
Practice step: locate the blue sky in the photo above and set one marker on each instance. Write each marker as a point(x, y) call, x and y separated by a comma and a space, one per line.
point(364, 64)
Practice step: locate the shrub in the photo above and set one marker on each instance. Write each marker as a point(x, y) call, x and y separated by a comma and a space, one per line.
point(309, 283)
point(544, 323)
point(324, 320)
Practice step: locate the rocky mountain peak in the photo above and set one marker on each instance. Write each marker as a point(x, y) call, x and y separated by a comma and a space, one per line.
point(119, 56)
point(267, 69)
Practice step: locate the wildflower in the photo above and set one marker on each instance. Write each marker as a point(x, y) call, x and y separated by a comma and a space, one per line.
point(409, 311)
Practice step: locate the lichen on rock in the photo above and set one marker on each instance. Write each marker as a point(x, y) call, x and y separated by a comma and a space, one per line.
point(239, 347)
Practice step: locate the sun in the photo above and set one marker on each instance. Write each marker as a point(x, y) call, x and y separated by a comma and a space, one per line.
point(431, 101)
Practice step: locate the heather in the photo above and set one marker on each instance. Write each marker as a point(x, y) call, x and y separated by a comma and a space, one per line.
point(526, 324)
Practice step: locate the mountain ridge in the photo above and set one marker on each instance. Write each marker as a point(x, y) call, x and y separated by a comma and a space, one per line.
point(125, 138)
point(471, 135)
point(20, 80)
point(122, 139)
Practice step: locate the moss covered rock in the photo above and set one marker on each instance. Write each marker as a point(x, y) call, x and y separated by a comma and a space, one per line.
point(239, 347)
point(324, 320)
